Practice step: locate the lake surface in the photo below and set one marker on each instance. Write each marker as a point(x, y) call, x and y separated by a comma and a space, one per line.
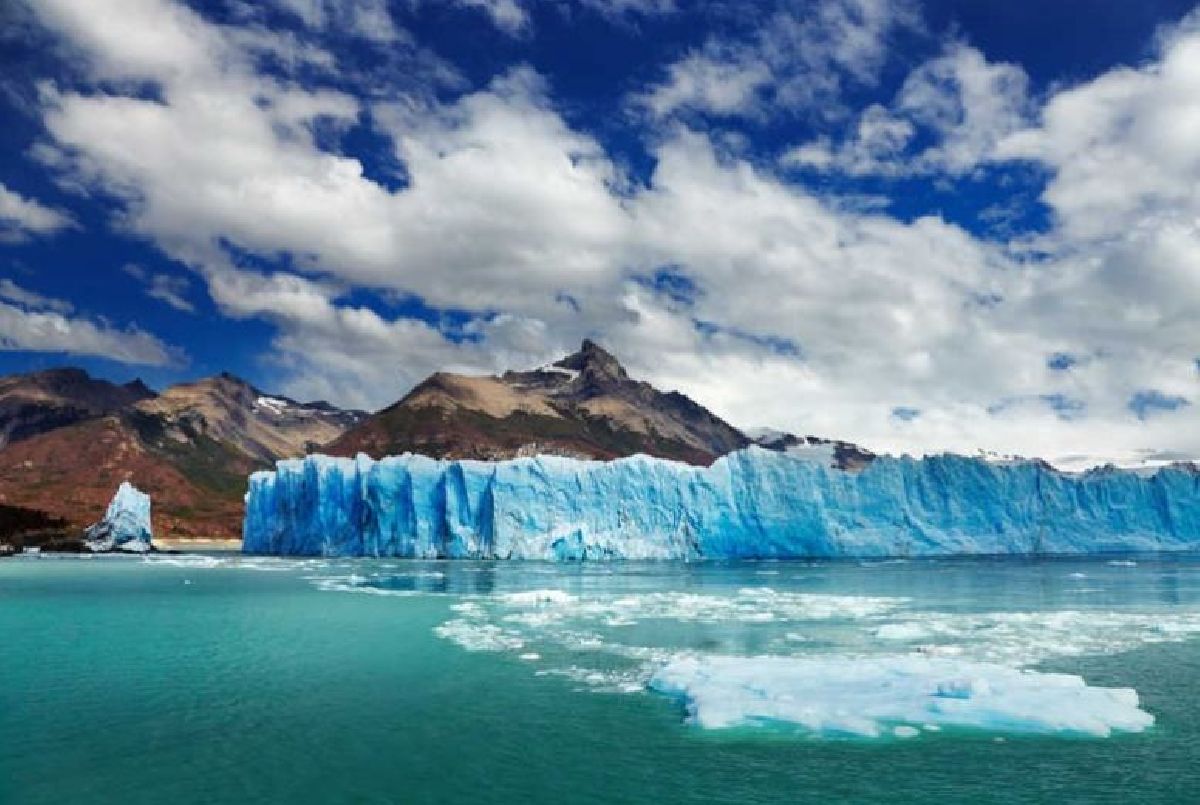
point(222, 679)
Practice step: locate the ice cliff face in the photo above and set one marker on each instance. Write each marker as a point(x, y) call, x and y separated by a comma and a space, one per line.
point(752, 503)
point(126, 523)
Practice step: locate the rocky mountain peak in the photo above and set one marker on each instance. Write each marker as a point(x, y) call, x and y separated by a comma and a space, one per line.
point(138, 390)
point(231, 384)
point(59, 376)
point(584, 405)
point(35, 403)
point(595, 364)
point(75, 384)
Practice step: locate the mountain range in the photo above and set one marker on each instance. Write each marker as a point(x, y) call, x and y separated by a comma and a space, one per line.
point(67, 439)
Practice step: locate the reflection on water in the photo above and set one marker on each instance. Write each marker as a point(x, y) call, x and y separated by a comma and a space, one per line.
point(609, 626)
point(1039, 584)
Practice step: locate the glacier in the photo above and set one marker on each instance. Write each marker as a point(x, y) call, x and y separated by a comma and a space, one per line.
point(126, 523)
point(753, 503)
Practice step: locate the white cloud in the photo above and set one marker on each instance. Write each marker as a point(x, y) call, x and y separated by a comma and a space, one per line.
point(11, 292)
point(346, 353)
point(22, 218)
point(536, 197)
point(499, 164)
point(507, 15)
point(969, 103)
point(171, 290)
point(35, 323)
point(367, 19)
point(877, 147)
point(1123, 146)
point(798, 61)
point(715, 79)
point(961, 101)
point(514, 17)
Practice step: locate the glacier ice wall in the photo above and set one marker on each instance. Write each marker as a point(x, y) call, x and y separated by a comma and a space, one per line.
point(126, 523)
point(750, 504)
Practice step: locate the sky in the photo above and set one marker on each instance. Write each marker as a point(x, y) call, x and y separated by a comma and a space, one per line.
point(919, 226)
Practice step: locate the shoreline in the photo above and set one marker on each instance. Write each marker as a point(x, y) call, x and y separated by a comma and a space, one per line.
point(189, 544)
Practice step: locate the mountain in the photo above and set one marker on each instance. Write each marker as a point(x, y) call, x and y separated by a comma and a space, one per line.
point(833, 452)
point(190, 448)
point(230, 411)
point(35, 403)
point(584, 406)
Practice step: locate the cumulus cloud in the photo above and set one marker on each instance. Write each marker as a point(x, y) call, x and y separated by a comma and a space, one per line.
point(23, 218)
point(500, 164)
point(1123, 146)
point(716, 79)
point(797, 62)
point(961, 103)
point(968, 103)
point(347, 353)
point(32, 322)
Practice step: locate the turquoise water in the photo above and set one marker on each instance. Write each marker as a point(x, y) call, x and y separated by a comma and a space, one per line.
point(229, 680)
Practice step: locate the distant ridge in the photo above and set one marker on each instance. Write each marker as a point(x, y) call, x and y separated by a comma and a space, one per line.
point(35, 403)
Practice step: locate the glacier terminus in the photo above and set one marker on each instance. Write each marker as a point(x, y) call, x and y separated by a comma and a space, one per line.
point(752, 503)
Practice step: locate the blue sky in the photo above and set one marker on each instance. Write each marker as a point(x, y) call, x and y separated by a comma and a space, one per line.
point(922, 226)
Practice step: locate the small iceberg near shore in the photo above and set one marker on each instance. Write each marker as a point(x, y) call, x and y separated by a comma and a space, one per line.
point(126, 524)
point(894, 696)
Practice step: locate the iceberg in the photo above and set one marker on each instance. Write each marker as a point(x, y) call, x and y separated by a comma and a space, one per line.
point(126, 523)
point(897, 696)
point(753, 503)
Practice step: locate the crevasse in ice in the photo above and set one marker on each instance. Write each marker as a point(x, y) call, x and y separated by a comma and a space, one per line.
point(752, 503)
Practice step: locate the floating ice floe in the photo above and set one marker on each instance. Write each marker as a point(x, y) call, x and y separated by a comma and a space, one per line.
point(870, 698)
point(1027, 638)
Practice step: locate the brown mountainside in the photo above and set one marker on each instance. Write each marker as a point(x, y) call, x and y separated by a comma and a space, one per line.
point(584, 405)
point(190, 448)
point(228, 410)
point(41, 401)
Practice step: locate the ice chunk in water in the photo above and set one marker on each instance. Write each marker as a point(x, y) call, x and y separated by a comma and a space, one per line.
point(126, 523)
point(833, 696)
